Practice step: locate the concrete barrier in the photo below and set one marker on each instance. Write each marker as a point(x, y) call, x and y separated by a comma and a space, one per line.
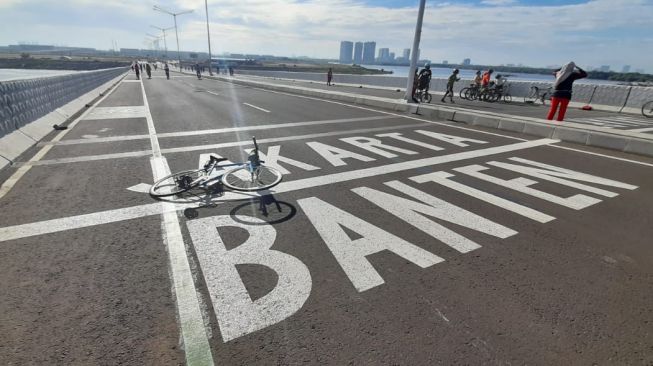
point(615, 98)
point(16, 141)
point(24, 101)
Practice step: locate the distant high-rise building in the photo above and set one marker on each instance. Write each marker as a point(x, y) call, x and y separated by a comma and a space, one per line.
point(369, 49)
point(467, 62)
point(604, 68)
point(392, 56)
point(407, 53)
point(445, 62)
point(346, 49)
point(641, 71)
point(626, 68)
point(358, 53)
point(384, 54)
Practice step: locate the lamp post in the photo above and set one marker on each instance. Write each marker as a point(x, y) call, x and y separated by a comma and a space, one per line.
point(174, 15)
point(155, 39)
point(163, 30)
point(208, 34)
point(415, 51)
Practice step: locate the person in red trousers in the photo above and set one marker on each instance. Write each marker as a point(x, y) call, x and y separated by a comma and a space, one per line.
point(565, 77)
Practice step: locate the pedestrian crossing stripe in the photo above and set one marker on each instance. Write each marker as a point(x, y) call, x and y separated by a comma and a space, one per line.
point(623, 122)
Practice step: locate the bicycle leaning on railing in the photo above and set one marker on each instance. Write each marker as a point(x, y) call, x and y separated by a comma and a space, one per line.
point(538, 94)
point(647, 109)
point(251, 175)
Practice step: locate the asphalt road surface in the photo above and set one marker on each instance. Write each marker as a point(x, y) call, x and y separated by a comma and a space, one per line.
point(597, 118)
point(393, 240)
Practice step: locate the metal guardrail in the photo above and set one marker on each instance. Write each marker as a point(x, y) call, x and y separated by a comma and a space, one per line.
point(24, 101)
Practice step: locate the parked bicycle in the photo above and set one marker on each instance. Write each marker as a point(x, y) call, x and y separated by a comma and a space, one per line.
point(246, 176)
point(537, 94)
point(647, 109)
point(470, 93)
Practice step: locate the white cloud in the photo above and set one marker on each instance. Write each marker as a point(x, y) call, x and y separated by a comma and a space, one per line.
point(506, 32)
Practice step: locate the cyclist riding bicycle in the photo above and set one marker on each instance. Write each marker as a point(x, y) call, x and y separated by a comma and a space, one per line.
point(477, 79)
point(500, 82)
point(485, 81)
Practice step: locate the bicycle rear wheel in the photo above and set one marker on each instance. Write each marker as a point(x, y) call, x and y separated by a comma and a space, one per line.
point(177, 183)
point(647, 109)
point(241, 179)
point(507, 98)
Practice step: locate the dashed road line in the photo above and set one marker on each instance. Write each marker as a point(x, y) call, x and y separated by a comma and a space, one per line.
point(255, 107)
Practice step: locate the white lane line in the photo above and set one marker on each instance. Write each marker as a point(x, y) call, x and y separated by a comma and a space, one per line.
point(259, 108)
point(214, 93)
point(648, 129)
point(196, 343)
point(218, 130)
point(22, 169)
point(80, 221)
point(221, 145)
point(602, 155)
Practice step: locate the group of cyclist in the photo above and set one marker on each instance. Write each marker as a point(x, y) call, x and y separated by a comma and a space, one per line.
point(482, 81)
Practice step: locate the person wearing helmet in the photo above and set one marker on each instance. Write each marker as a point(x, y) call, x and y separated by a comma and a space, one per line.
point(424, 78)
point(452, 79)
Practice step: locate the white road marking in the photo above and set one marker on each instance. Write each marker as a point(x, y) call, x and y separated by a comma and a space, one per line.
point(329, 221)
point(80, 221)
point(648, 129)
point(443, 179)
point(195, 340)
point(22, 169)
point(214, 93)
point(217, 131)
point(255, 107)
point(234, 309)
point(84, 137)
point(116, 113)
point(140, 188)
point(216, 146)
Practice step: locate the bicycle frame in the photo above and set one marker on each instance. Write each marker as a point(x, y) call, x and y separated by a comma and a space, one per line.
point(253, 162)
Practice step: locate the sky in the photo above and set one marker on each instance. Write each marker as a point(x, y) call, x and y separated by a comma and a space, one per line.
point(529, 32)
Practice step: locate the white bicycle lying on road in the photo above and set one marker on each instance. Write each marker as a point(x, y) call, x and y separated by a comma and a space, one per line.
point(246, 176)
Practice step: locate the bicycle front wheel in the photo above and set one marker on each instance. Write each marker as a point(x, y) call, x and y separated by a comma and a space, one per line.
point(647, 109)
point(463, 93)
point(177, 183)
point(507, 98)
point(241, 179)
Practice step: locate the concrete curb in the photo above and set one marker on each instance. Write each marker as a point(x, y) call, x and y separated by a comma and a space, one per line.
point(17, 142)
point(625, 141)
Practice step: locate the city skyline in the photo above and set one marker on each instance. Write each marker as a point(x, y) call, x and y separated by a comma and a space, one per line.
point(534, 33)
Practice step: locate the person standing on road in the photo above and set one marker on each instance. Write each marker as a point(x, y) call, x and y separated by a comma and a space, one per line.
point(452, 79)
point(198, 71)
point(148, 69)
point(166, 68)
point(565, 77)
point(329, 76)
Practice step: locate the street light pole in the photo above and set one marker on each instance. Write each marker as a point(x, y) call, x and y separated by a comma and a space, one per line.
point(174, 15)
point(415, 51)
point(208, 33)
point(163, 30)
